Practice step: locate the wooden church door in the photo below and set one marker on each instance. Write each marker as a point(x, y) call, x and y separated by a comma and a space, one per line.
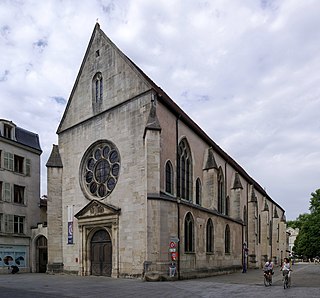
point(101, 253)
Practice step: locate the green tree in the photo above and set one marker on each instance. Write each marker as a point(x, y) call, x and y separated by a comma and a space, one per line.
point(292, 224)
point(315, 202)
point(298, 222)
point(308, 239)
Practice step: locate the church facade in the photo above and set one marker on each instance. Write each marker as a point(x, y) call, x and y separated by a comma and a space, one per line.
point(136, 188)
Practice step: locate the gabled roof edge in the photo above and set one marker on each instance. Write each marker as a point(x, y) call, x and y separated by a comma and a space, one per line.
point(96, 28)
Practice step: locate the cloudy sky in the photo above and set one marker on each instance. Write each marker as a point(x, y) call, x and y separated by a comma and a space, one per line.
point(248, 72)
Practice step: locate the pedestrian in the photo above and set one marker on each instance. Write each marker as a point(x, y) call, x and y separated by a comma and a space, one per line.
point(172, 269)
point(15, 269)
point(245, 256)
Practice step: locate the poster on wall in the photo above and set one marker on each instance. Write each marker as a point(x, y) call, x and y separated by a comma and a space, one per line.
point(70, 232)
point(13, 256)
point(70, 224)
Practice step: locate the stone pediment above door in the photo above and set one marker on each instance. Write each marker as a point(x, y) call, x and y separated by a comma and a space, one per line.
point(97, 209)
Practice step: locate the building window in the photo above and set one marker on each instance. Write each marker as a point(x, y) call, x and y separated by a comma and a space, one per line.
point(198, 192)
point(184, 171)
point(221, 205)
point(0, 190)
point(97, 83)
point(210, 236)
point(18, 194)
point(245, 222)
point(0, 158)
point(169, 177)
point(18, 224)
point(100, 169)
point(270, 232)
point(245, 215)
point(256, 220)
point(18, 164)
point(14, 224)
point(259, 227)
point(8, 161)
point(188, 233)
point(227, 206)
point(13, 255)
point(7, 131)
point(227, 240)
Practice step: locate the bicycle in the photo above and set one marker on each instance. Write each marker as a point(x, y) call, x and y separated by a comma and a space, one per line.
point(267, 279)
point(286, 280)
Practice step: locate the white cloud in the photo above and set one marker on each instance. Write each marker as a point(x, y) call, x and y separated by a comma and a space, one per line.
point(246, 71)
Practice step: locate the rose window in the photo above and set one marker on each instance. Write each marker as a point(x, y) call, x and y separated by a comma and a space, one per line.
point(100, 169)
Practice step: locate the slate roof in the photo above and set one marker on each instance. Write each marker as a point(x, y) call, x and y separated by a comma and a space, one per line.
point(27, 138)
point(24, 137)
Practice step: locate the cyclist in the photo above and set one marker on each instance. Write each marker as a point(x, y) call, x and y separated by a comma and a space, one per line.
point(286, 269)
point(268, 268)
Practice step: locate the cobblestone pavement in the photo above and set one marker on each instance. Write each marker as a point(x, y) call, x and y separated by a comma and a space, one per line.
point(305, 283)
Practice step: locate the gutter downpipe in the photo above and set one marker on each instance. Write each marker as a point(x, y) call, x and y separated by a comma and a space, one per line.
point(271, 236)
point(178, 199)
point(247, 222)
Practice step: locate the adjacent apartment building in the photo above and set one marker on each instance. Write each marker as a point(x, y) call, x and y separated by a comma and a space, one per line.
point(20, 153)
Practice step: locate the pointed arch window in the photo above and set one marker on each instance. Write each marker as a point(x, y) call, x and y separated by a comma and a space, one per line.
point(169, 177)
point(259, 229)
point(221, 198)
point(184, 171)
point(189, 233)
point(210, 236)
point(245, 215)
point(257, 221)
point(227, 240)
point(227, 209)
point(245, 222)
point(198, 192)
point(270, 232)
point(97, 85)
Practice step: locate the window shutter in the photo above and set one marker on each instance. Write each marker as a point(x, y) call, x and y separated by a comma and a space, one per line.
point(8, 161)
point(8, 223)
point(7, 192)
point(28, 167)
point(1, 223)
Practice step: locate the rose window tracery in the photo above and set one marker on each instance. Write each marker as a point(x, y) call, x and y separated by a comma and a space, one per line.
point(100, 168)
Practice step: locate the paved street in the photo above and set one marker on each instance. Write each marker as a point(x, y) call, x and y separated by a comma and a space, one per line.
point(305, 283)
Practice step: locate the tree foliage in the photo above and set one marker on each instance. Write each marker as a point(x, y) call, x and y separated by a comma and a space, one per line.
point(308, 239)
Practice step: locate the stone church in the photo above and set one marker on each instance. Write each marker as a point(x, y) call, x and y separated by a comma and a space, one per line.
point(137, 189)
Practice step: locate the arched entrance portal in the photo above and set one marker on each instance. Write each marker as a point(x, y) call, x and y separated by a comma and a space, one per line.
point(101, 253)
point(42, 254)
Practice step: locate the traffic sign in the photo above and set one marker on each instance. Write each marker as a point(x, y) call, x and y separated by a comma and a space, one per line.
point(172, 244)
point(175, 239)
point(174, 256)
